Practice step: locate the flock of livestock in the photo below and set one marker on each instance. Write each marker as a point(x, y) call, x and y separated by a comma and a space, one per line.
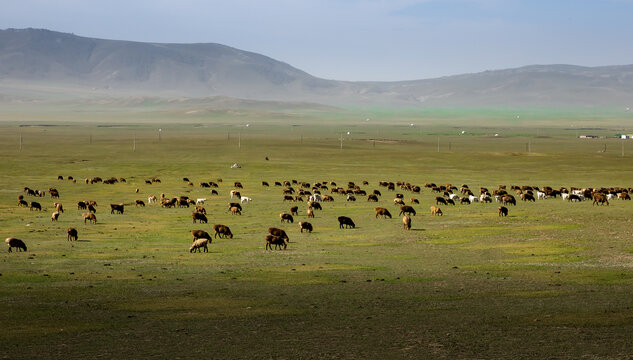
point(315, 195)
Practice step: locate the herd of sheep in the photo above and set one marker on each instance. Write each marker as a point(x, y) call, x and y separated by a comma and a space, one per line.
point(315, 195)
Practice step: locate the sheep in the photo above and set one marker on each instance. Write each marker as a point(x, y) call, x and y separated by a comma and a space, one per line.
point(22, 202)
point(414, 201)
point(237, 205)
point(200, 243)
point(624, 196)
point(406, 209)
point(59, 207)
point(244, 199)
point(327, 198)
point(440, 200)
point(222, 230)
point(91, 208)
point(484, 198)
point(380, 211)
point(15, 243)
point(35, 205)
point(503, 211)
point(288, 198)
point(198, 216)
point(600, 198)
point(116, 208)
point(508, 199)
point(89, 216)
point(304, 225)
point(345, 221)
point(200, 201)
point(235, 210)
point(541, 195)
point(200, 210)
point(200, 234)
point(464, 200)
point(72, 234)
point(372, 197)
point(473, 199)
point(286, 217)
point(315, 198)
point(279, 232)
point(213, 192)
point(275, 240)
point(406, 221)
point(527, 197)
point(139, 202)
point(236, 194)
point(454, 197)
point(265, 183)
point(398, 201)
point(351, 197)
point(294, 210)
point(152, 199)
point(436, 211)
point(55, 216)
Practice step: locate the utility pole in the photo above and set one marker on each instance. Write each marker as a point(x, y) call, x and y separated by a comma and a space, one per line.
point(20, 142)
point(239, 140)
point(134, 147)
point(341, 141)
point(438, 144)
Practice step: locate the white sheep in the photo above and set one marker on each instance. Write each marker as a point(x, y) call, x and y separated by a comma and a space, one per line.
point(244, 199)
point(199, 243)
point(473, 198)
point(565, 196)
point(200, 201)
point(541, 195)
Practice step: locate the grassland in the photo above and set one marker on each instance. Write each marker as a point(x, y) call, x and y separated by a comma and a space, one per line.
point(552, 280)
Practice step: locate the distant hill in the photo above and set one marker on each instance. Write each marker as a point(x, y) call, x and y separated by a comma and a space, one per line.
point(44, 59)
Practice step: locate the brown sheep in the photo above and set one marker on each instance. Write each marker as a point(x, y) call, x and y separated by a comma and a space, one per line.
point(294, 210)
point(624, 196)
point(200, 209)
point(22, 202)
point(315, 205)
point(508, 199)
point(327, 198)
point(527, 197)
point(440, 200)
point(116, 208)
point(600, 198)
point(304, 225)
point(200, 243)
point(436, 211)
point(200, 234)
point(72, 234)
point(279, 232)
point(275, 240)
point(398, 201)
point(89, 216)
point(91, 208)
point(222, 230)
point(399, 196)
point(406, 221)
point(59, 207)
point(235, 210)
point(406, 209)
point(15, 243)
point(503, 211)
point(372, 197)
point(288, 198)
point(380, 211)
point(286, 217)
point(198, 216)
point(415, 201)
point(35, 205)
point(55, 216)
point(310, 212)
point(237, 205)
point(81, 205)
point(139, 202)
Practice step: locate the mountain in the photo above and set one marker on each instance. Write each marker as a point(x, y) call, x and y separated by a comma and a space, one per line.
point(48, 59)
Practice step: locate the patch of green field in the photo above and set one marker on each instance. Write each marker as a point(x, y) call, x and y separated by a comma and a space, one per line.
point(469, 284)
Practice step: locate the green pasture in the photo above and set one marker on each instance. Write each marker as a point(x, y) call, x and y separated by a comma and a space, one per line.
point(552, 280)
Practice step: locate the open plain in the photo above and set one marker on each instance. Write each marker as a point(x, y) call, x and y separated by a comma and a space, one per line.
point(553, 279)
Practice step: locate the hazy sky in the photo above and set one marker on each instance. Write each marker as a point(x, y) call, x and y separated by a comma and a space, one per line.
point(360, 39)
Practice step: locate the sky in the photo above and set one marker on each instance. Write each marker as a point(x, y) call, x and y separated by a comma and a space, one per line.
point(377, 40)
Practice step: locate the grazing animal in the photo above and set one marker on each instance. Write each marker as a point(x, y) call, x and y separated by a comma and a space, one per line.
point(59, 207)
point(152, 199)
point(351, 197)
point(200, 209)
point(372, 197)
point(464, 200)
point(55, 216)
point(345, 221)
point(91, 208)
point(572, 197)
point(436, 211)
point(294, 210)
point(200, 201)
point(315, 206)
point(235, 210)
point(222, 231)
point(600, 198)
point(527, 197)
point(264, 183)
point(414, 201)
point(235, 193)
point(380, 211)
point(275, 240)
point(310, 212)
point(116, 208)
point(398, 201)
point(244, 199)
point(199, 217)
point(440, 200)
point(508, 199)
point(304, 225)
point(503, 211)
point(72, 234)
point(15, 243)
point(624, 196)
point(89, 216)
point(35, 205)
point(406, 221)
point(139, 202)
point(406, 209)
point(22, 202)
point(279, 232)
point(237, 205)
point(286, 217)
point(200, 243)
point(200, 234)
point(485, 198)
point(288, 198)
point(326, 198)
